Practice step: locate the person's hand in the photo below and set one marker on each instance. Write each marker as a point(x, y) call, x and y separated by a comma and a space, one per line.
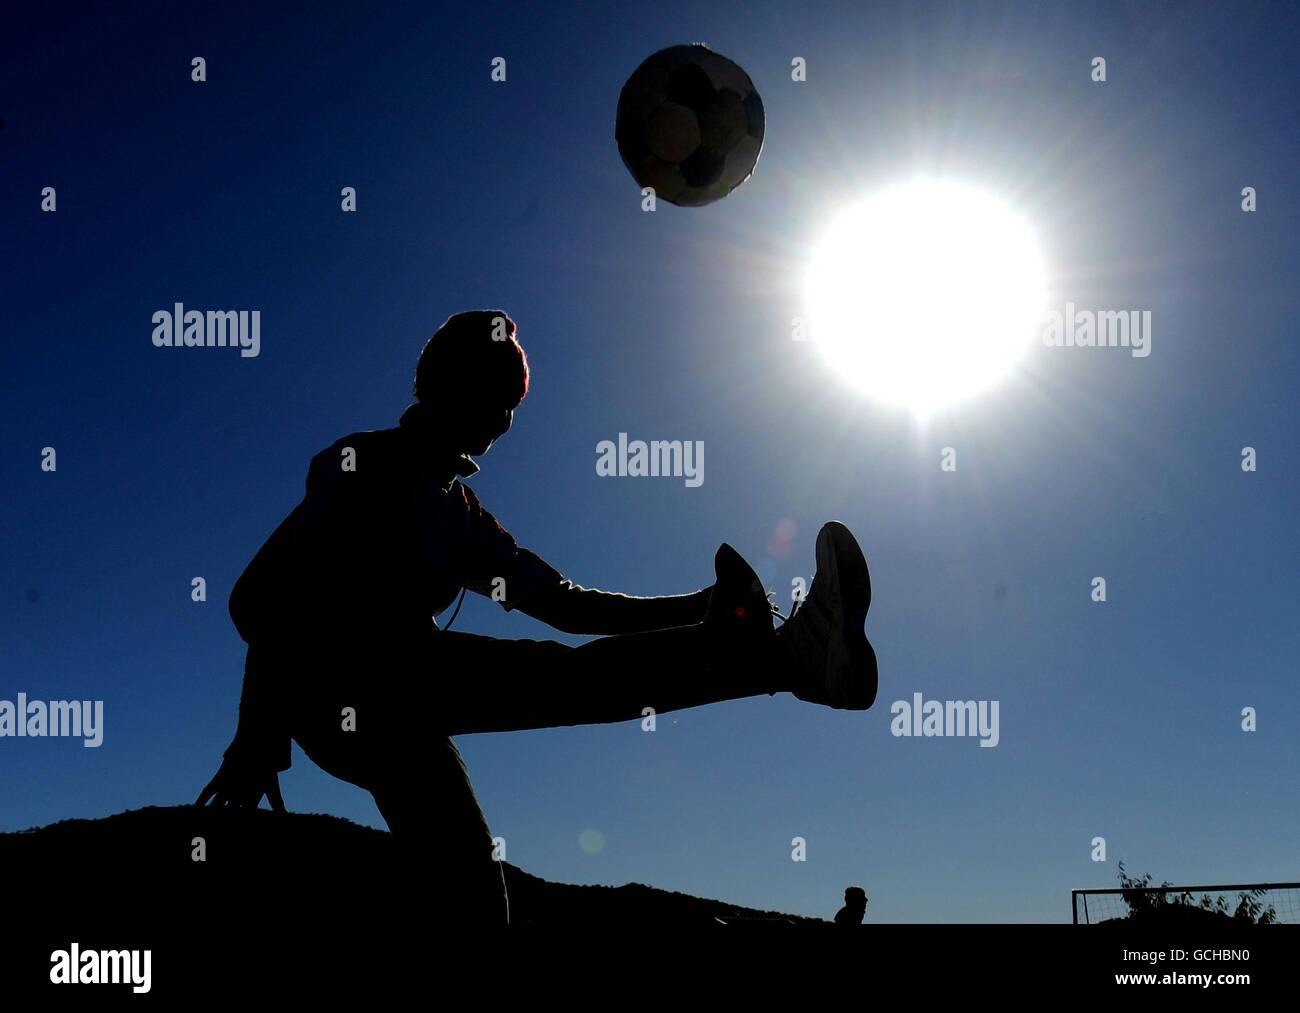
point(241, 781)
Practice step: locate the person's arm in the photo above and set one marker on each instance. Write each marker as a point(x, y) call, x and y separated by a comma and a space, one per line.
point(572, 609)
point(261, 748)
point(520, 579)
point(262, 737)
point(263, 604)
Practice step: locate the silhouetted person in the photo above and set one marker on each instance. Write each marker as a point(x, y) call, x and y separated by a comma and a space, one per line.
point(855, 907)
point(346, 658)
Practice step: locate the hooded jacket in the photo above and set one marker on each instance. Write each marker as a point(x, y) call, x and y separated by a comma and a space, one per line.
point(387, 535)
point(384, 539)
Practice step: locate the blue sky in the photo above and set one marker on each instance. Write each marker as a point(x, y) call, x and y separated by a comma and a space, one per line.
point(1118, 719)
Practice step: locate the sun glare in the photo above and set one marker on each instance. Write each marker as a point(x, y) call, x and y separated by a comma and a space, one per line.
point(925, 293)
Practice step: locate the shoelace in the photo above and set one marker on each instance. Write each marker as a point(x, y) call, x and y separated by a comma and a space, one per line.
point(777, 612)
point(457, 612)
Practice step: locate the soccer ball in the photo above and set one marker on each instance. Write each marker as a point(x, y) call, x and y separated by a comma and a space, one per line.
point(689, 124)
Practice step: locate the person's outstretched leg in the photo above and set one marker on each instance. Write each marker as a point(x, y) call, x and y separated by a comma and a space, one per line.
point(822, 655)
point(489, 685)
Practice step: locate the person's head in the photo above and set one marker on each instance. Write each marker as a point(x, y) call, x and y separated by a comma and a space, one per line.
point(471, 376)
point(855, 897)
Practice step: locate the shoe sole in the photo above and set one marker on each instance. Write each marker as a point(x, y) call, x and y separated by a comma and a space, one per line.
point(851, 672)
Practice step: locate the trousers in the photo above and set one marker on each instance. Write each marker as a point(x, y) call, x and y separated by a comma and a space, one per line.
point(383, 715)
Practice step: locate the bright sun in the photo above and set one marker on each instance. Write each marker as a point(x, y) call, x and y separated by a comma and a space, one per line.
point(925, 293)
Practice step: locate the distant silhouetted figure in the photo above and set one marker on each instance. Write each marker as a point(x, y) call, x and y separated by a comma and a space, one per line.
point(855, 907)
point(346, 658)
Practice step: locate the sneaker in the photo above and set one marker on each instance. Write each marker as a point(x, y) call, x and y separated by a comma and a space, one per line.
point(740, 614)
point(835, 663)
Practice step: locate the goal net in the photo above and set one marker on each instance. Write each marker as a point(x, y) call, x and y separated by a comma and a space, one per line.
point(1236, 903)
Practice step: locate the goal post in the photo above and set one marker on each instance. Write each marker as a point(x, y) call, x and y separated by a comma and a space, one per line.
point(1237, 903)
